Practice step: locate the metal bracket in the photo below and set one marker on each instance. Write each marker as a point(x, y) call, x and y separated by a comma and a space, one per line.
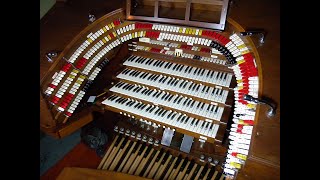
point(270, 113)
point(262, 34)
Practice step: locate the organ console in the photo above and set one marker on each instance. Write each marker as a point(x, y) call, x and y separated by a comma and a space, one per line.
point(170, 92)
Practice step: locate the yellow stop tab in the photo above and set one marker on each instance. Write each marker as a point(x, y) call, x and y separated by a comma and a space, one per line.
point(75, 71)
point(194, 31)
point(236, 165)
point(78, 81)
point(187, 31)
point(241, 156)
point(251, 105)
point(245, 52)
point(241, 61)
point(241, 46)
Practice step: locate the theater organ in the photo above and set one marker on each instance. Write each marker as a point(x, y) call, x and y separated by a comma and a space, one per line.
point(171, 95)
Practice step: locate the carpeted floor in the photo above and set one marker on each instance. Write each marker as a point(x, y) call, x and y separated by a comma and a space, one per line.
point(52, 150)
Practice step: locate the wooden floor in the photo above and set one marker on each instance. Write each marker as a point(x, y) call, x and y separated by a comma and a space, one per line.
point(66, 20)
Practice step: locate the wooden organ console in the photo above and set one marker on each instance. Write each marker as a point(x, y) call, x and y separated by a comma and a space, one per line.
point(169, 92)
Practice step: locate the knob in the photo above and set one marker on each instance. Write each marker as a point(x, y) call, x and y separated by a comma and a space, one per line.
point(202, 157)
point(121, 129)
point(144, 137)
point(209, 159)
point(148, 128)
point(128, 131)
point(138, 135)
point(133, 133)
point(116, 128)
point(156, 141)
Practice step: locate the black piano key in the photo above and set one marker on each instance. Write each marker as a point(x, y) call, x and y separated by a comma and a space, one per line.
point(135, 89)
point(131, 58)
point(182, 119)
point(181, 84)
point(216, 110)
point(170, 65)
point(170, 97)
point(170, 81)
point(192, 122)
point(175, 66)
point(124, 154)
point(177, 162)
point(148, 108)
point(148, 61)
point(148, 163)
point(183, 166)
point(195, 71)
point(218, 176)
point(186, 120)
point(185, 84)
point(174, 114)
point(198, 73)
point(132, 103)
point(187, 69)
point(191, 105)
point(167, 64)
point(211, 173)
point(176, 82)
point(204, 171)
point(164, 112)
point(185, 102)
point(157, 110)
point(198, 106)
point(143, 91)
point(152, 60)
point(202, 72)
point(161, 78)
point(221, 91)
point(190, 167)
point(212, 108)
point(136, 105)
point(207, 90)
point(203, 105)
point(142, 148)
point(159, 94)
point(198, 86)
point(195, 172)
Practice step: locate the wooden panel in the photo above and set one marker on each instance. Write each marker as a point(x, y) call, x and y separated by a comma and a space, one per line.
point(70, 173)
point(77, 124)
point(265, 143)
point(253, 170)
point(46, 119)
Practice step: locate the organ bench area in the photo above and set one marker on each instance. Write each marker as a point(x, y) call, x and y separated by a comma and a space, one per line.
point(169, 96)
